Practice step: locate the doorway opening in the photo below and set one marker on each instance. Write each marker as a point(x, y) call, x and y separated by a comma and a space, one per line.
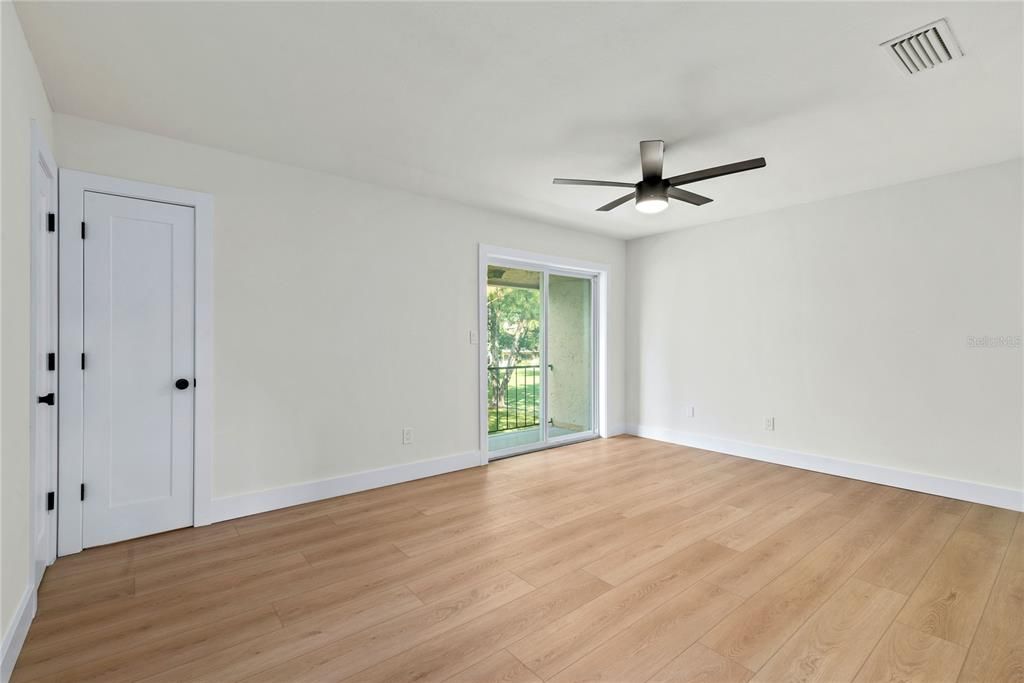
point(540, 343)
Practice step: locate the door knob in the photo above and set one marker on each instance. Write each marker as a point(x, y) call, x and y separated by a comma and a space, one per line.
point(181, 384)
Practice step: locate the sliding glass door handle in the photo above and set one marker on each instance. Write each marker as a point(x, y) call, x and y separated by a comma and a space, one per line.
point(49, 399)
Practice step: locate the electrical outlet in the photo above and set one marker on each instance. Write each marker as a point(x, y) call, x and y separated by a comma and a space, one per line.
point(689, 412)
point(769, 424)
point(407, 435)
point(474, 337)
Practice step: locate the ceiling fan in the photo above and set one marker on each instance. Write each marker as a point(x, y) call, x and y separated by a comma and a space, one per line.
point(653, 192)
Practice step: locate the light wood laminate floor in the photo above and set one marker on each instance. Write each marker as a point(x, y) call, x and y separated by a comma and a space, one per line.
point(619, 560)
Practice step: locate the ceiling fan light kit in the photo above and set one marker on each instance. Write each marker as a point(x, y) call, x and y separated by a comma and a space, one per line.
point(653, 191)
point(651, 197)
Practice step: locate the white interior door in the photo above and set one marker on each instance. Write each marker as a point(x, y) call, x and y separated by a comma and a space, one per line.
point(44, 360)
point(139, 341)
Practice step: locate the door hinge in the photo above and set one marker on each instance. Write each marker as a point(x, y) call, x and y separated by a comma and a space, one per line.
point(51, 223)
point(83, 361)
point(50, 499)
point(49, 399)
point(81, 493)
point(83, 230)
point(51, 361)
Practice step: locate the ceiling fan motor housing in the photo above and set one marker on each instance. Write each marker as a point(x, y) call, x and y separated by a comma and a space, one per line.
point(652, 190)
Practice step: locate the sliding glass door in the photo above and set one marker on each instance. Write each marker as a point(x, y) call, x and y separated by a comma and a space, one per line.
point(540, 357)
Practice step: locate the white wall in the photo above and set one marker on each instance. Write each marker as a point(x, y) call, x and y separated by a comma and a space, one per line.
point(343, 310)
point(848, 321)
point(23, 100)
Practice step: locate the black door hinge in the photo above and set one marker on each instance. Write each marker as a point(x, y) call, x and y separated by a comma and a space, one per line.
point(49, 399)
point(83, 361)
point(50, 499)
point(83, 230)
point(51, 223)
point(81, 493)
point(51, 361)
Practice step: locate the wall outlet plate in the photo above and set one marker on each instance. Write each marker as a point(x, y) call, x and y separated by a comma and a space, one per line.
point(769, 424)
point(407, 435)
point(690, 412)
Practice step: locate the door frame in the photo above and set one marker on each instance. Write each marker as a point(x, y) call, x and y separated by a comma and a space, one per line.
point(42, 156)
point(73, 186)
point(546, 264)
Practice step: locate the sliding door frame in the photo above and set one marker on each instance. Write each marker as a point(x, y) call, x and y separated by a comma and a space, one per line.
point(546, 265)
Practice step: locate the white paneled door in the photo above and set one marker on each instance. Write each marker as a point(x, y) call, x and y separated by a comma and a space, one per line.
point(139, 367)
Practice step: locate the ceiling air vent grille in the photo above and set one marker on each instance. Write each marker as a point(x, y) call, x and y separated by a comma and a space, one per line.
point(925, 48)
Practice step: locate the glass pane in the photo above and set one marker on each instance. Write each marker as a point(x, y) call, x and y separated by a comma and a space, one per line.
point(570, 347)
point(513, 357)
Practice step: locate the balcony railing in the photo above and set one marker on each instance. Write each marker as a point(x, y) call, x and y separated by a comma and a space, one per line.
point(519, 406)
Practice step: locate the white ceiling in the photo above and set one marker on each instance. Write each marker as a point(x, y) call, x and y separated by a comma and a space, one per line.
point(485, 103)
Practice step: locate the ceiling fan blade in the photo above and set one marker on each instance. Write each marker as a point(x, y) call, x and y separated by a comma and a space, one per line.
point(600, 183)
point(728, 169)
point(688, 197)
point(618, 202)
point(652, 158)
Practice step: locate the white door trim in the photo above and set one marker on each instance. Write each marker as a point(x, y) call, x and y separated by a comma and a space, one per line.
point(73, 185)
point(545, 263)
point(42, 156)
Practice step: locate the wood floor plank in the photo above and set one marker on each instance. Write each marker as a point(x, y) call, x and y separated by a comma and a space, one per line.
point(755, 568)
point(157, 616)
point(155, 655)
point(753, 633)
point(69, 602)
point(901, 561)
point(141, 548)
point(258, 654)
point(995, 523)
point(905, 655)
point(620, 564)
point(997, 651)
point(450, 569)
point(443, 656)
point(575, 553)
point(753, 529)
point(553, 648)
point(623, 560)
point(501, 667)
point(354, 653)
point(650, 643)
point(832, 645)
point(949, 601)
point(699, 664)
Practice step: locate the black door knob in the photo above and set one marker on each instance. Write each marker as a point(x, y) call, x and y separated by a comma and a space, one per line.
point(181, 384)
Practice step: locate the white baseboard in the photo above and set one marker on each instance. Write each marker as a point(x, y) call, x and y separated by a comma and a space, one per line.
point(915, 481)
point(232, 507)
point(14, 638)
